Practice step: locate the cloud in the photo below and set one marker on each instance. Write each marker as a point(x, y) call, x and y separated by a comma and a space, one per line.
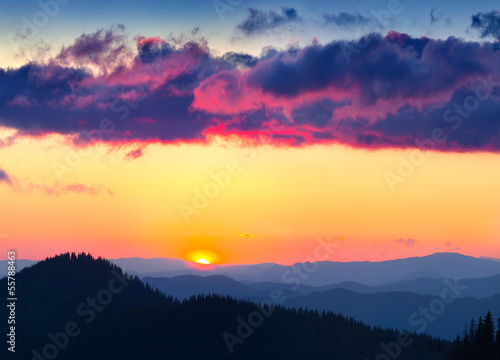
point(393, 93)
point(247, 235)
point(259, 21)
point(4, 177)
point(488, 24)
point(407, 242)
point(104, 49)
point(435, 17)
point(58, 189)
point(348, 20)
point(134, 154)
point(55, 189)
point(240, 59)
point(448, 243)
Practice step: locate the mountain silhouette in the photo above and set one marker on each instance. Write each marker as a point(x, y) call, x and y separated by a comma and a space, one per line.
point(394, 309)
point(132, 321)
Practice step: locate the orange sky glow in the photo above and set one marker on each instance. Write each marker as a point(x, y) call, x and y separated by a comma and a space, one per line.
point(270, 205)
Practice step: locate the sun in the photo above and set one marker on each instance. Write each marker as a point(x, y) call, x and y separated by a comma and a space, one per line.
point(203, 261)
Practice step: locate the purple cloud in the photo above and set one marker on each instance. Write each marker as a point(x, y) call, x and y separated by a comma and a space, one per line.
point(4, 177)
point(394, 93)
point(407, 242)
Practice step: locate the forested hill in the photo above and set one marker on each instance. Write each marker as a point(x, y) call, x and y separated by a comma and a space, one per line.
point(77, 307)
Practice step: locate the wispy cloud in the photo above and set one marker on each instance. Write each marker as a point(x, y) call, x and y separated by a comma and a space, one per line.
point(134, 154)
point(259, 21)
point(65, 189)
point(55, 189)
point(4, 177)
point(247, 235)
point(448, 243)
point(349, 20)
point(407, 242)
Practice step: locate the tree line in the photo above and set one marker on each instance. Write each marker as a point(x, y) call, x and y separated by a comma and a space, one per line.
point(478, 341)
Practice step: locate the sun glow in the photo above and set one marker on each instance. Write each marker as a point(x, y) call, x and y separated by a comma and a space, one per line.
point(203, 261)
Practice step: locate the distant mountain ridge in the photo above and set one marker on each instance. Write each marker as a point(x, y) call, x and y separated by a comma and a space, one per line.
point(438, 265)
point(184, 286)
point(134, 322)
point(394, 309)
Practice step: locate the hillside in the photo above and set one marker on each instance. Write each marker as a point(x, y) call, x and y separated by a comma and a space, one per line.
point(395, 309)
point(139, 323)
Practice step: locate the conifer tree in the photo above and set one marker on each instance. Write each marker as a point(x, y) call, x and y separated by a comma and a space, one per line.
point(488, 333)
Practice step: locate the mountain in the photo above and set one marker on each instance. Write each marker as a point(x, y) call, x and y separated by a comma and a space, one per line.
point(442, 265)
point(183, 286)
point(476, 288)
point(77, 307)
point(439, 265)
point(50, 292)
point(270, 286)
point(349, 285)
point(20, 264)
point(401, 310)
point(140, 266)
point(326, 273)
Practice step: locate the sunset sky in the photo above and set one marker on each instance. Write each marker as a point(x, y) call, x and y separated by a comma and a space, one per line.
point(242, 132)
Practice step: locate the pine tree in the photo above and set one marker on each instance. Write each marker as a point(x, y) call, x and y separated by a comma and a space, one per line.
point(488, 333)
point(457, 348)
point(480, 333)
point(497, 341)
point(472, 332)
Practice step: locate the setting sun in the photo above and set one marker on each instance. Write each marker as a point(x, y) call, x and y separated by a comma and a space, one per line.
point(203, 261)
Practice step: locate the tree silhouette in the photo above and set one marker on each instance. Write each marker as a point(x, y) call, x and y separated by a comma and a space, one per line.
point(479, 342)
point(139, 323)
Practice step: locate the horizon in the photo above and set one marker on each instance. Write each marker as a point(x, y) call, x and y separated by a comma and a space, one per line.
point(250, 133)
point(172, 174)
point(206, 266)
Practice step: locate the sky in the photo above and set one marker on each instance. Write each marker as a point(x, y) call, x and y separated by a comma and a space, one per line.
point(244, 131)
